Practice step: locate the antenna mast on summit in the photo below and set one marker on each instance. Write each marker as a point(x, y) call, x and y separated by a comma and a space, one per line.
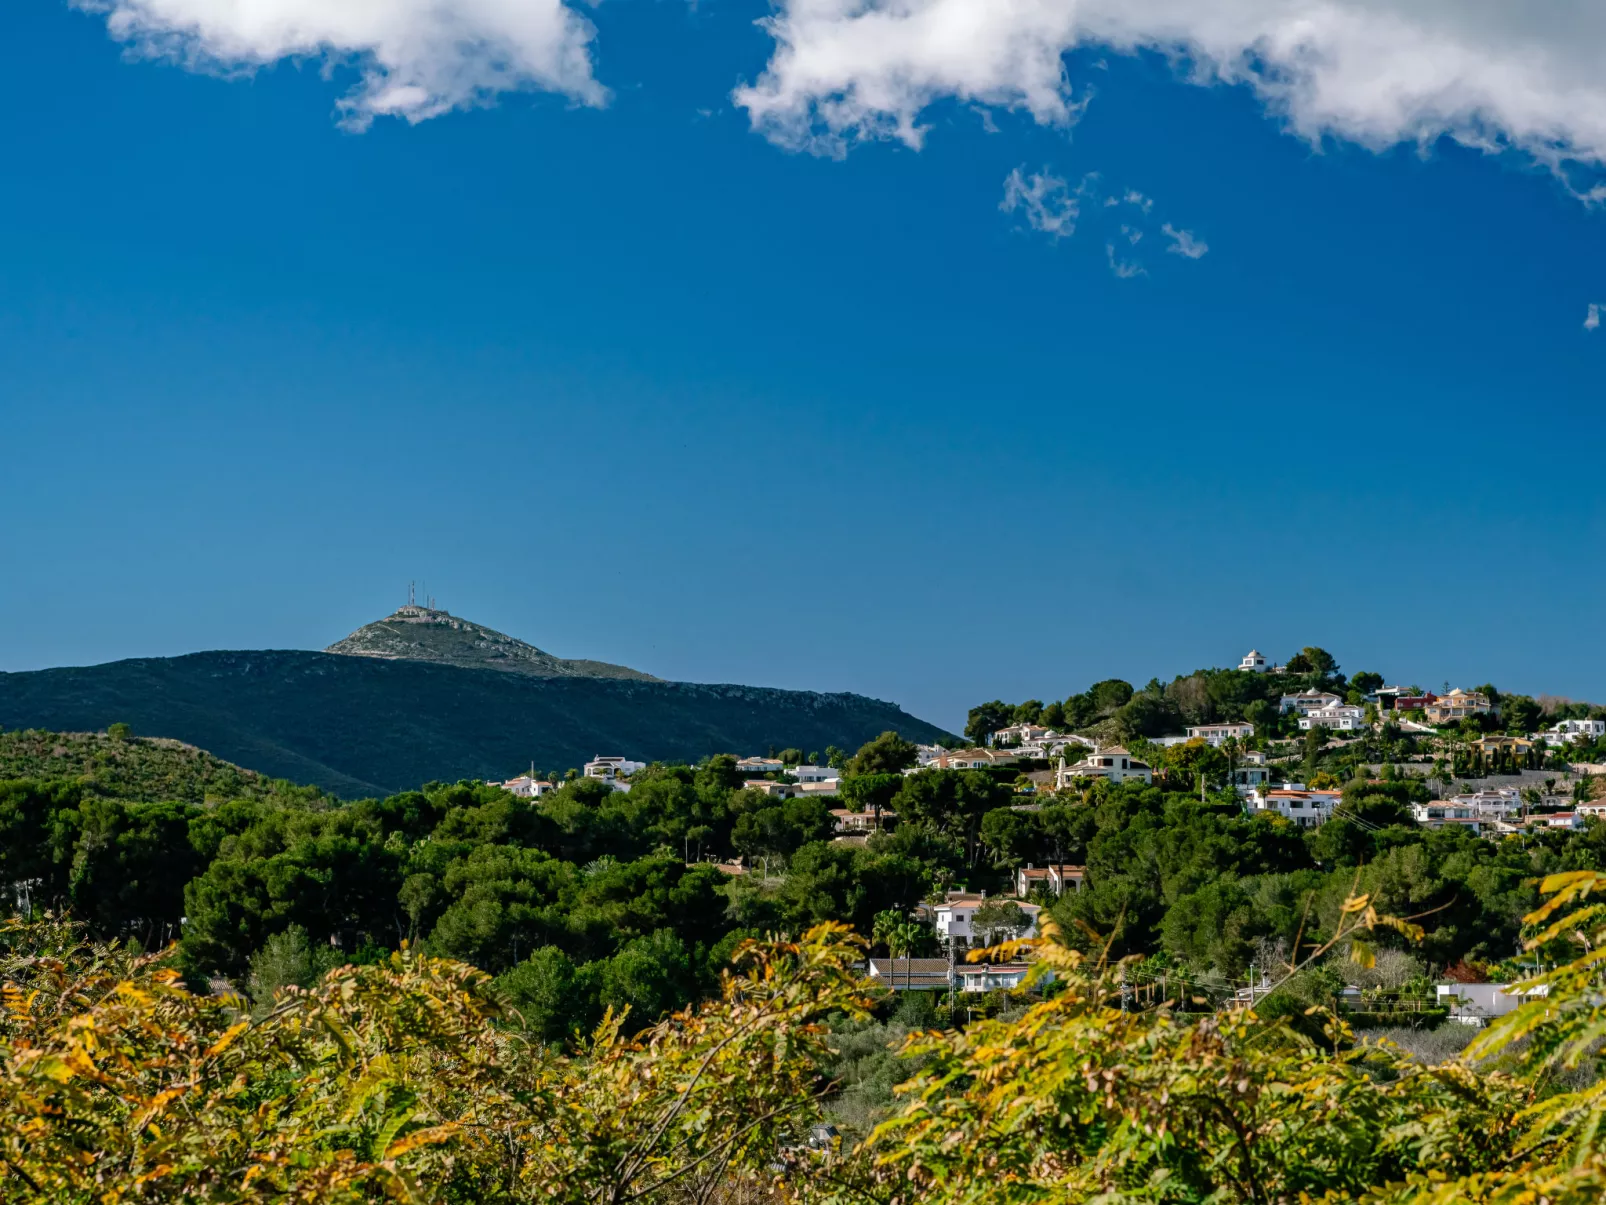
point(410, 593)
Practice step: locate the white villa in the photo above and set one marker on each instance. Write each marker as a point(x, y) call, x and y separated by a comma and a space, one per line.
point(992, 976)
point(974, 759)
point(1058, 879)
point(527, 786)
point(815, 773)
point(955, 917)
point(1219, 734)
point(1115, 764)
point(1305, 808)
point(1446, 813)
point(938, 974)
point(1571, 730)
point(1480, 1003)
point(757, 767)
point(1254, 663)
point(854, 823)
point(1307, 701)
point(1019, 734)
point(1340, 717)
point(1053, 746)
point(1498, 802)
point(611, 769)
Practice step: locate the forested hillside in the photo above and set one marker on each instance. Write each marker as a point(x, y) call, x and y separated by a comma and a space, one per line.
point(356, 725)
point(118, 765)
point(589, 898)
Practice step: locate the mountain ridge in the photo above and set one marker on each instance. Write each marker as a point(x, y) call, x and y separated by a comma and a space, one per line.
point(363, 725)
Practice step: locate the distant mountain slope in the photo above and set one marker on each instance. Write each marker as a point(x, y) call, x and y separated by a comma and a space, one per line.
point(365, 725)
point(416, 633)
point(139, 769)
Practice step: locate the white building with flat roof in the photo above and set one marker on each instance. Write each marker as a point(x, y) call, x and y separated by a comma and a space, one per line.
point(1572, 730)
point(1219, 734)
point(955, 917)
point(1306, 808)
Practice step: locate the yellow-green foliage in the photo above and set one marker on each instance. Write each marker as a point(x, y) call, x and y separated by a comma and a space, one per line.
point(1081, 1101)
point(395, 1081)
point(403, 1081)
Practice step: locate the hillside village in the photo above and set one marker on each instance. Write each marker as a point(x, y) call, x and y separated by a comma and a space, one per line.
point(1294, 744)
point(1517, 766)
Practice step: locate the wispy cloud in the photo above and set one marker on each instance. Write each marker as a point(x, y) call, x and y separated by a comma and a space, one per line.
point(1124, 269)
point(1133, 235)
point(1183, 242)
point(1592, 318)
point(1134, 197)
point(1044, 201)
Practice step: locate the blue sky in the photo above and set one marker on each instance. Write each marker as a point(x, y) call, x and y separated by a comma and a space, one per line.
point(629, 378)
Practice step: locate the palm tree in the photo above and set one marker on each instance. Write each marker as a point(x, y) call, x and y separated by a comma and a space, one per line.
point(882, 928)
point(1530, 799)
point(905, 937)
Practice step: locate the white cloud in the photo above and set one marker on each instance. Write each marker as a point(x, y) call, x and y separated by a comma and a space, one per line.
point(1044, 200)
point(1133, 235)
point(1488, 73)
point(1183, 242)
point(1124, 269)
point(416, 58)
point(1592, 319)
point(1134, 197)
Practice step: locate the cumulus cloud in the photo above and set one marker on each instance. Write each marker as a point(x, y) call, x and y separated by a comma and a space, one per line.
point(1183, 242)
point(1488, 73)
point(1045, 201)
point(415, 59)
point(1592, 318)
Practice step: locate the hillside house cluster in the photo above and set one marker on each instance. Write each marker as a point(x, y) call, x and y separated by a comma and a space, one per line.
point(615, 771)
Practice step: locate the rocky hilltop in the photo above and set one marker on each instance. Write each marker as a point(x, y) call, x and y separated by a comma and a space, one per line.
point(417, 633)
